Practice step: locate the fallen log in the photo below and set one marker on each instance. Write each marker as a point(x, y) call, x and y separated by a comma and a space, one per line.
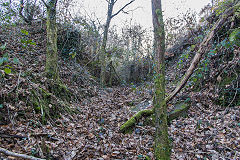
point(179, 110)
point(13, 154)
point(133, 120)
point(203, 48)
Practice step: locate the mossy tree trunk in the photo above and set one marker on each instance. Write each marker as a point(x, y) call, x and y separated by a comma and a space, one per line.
point(52, 54)
point(162, 147)
point(203, 48)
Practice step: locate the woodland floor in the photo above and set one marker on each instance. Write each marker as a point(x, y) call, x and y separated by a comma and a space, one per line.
point(206, 133)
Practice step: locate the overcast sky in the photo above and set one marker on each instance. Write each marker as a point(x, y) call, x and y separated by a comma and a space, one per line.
point(143, 13)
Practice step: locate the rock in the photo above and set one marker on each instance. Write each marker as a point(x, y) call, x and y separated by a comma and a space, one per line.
point(115, 153)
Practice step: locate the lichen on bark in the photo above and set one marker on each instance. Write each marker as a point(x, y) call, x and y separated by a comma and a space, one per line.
point(162, 148)
point(52, 54)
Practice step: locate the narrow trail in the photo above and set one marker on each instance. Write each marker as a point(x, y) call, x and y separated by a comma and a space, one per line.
point(93, 133)
point(101, 119)
point(204, 133)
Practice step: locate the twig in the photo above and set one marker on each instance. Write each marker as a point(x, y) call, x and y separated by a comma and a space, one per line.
point(18, 81)
point(45, 3)
point(2, 135)
point(120, 10)
point(196, 152)
point(40, 149)
point(9, 153)
point(235, 155)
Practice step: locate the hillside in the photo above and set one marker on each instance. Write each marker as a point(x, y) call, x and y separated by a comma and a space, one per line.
point(77, 118)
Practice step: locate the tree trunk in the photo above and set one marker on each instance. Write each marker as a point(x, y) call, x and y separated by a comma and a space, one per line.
point(162, 147)
point(52, 54)
point(103, 55)
point(202, 49)
point(111, 74)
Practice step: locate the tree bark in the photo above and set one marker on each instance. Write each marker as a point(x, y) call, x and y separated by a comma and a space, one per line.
point(52, 54)
point(162, 148)
point(104, 43)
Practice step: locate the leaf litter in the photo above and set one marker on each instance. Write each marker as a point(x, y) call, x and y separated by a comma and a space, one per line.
point(93, 133)
point(207, 132)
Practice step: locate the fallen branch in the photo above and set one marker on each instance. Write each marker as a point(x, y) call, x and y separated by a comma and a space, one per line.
point(202, 49)
point(133, 120)
point(9, 153)
point(2, 135)
point(177, 112)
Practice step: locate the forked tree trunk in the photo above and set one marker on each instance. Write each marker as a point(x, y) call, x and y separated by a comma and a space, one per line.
point(162, 147)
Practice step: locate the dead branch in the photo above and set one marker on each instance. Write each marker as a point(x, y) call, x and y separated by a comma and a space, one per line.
point(120, 10)
point(9, 153)
point(2, 135)
point(178, 112)
point(203, 49)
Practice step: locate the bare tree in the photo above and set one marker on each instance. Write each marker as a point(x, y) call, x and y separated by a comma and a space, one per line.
point(103, 54)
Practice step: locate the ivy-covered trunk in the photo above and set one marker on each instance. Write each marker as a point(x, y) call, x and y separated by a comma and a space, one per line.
point(162, 147)
point(52, 55)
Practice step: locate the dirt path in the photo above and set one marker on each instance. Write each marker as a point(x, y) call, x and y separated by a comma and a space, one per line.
point(94, 132)
point(91, 134)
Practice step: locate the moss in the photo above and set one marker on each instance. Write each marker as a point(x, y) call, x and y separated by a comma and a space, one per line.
point(126, 127)
point(40, 100)
point(60, 90)
point(49, 104)
point(226, 79)
point(150, 121)
point(162, 152)
point(180, 110)
point(52, 54)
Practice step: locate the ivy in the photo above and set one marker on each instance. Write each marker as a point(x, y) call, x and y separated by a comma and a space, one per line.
point(4, 61)
point(222, 6)
point(234, 37)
